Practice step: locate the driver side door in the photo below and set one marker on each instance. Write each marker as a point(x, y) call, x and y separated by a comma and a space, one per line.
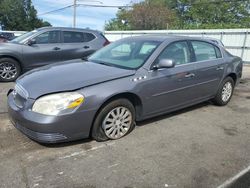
point(171, 88)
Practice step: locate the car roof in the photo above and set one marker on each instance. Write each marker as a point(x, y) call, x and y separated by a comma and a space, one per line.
point(166, 37)
point(67, 28)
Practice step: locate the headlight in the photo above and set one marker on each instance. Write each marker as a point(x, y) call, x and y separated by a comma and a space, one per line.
point(58, 104)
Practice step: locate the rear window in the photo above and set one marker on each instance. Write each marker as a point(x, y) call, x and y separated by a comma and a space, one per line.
point(205, 51)
point(72, 37)
point(77, 37)
point(88, 37)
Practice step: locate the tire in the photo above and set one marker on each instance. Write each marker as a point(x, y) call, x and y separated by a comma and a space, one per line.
point(106, 126)
point(10, 70)
point(225, 92)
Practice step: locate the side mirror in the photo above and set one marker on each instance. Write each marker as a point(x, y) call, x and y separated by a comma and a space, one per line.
point(164, 63)
point(31, 42)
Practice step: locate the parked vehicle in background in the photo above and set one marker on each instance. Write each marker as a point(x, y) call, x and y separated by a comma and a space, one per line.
point(46, 46)
point(3, 39)
point(129, 80)
point(7, 35)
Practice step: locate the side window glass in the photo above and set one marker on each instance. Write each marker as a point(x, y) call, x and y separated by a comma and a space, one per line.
point(88, 37)
point(73, 37)
point(178, 52)
point(205, 51)
point(49, 37)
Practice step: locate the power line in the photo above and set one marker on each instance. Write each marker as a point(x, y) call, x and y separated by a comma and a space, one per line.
point(56, 10)
point(84, 5)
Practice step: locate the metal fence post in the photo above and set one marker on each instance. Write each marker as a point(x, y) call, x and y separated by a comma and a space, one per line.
point(244, 45)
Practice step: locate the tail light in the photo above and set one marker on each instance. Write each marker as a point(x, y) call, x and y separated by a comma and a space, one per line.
point(106, 43)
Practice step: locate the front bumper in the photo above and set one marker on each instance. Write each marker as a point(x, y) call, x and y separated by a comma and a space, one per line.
point(50, 129)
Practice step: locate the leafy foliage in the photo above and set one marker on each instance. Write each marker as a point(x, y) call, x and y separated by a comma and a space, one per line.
point(183, 14)
point(19, 15)
point(144, 15)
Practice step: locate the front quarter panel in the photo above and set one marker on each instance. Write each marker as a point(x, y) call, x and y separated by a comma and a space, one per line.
point(11, 50)
point(97, 94)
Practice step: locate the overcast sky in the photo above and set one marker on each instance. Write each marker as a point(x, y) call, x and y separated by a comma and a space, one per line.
point(91, 17)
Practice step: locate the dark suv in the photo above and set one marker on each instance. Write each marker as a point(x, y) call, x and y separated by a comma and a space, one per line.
point(45, 46)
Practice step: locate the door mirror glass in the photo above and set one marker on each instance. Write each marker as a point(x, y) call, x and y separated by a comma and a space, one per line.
point(164, 63)
point(31, 42)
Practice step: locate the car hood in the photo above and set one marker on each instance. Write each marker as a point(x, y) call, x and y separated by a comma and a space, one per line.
point(68, 76)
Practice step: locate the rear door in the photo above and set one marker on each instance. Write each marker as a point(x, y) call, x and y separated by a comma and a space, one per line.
point(76, 44)
point(46, 50)
point(209, 68)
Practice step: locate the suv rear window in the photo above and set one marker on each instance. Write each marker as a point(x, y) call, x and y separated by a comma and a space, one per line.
point(72, 37)
point(77, 37)
point(88, 37)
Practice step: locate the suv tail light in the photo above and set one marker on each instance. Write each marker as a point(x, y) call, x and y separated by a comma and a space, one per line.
point(106, 43)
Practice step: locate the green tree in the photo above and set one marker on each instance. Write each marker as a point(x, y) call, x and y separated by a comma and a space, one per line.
point(184, 14)
point(19, 15)
point(120, 22)
point(146, 15)
point(204, 14)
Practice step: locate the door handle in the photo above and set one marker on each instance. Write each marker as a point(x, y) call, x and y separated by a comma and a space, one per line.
point(85, 47)
point(220, 68)
point(189, 75)
point(56, 48)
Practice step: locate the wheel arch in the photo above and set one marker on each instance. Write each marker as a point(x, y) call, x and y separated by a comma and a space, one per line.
point(133, 98)
point(12, 57)
point(233, 76)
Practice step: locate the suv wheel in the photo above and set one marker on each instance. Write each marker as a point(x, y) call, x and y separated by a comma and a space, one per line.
point(114, 121)
point(225, 92)
point(9, 70)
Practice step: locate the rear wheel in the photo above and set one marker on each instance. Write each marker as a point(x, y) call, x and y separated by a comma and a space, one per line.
point(225, 92)
point(9, 70)
point(114, 121)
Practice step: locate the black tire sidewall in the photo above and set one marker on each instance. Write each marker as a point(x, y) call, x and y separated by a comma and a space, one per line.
point(218, 99)
point(10, 60)
point(97, 131)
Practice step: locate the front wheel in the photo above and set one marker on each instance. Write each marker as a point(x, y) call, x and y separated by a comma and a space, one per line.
point(114, 120)
point(225, 92)
point(9, 70)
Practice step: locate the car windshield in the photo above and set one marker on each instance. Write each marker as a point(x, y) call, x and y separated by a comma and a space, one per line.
point(23, 37)
point(128, 54)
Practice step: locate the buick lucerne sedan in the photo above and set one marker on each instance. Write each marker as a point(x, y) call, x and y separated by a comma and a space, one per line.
point(127, 81)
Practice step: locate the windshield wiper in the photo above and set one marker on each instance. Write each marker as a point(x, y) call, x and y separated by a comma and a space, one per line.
point(102, 63)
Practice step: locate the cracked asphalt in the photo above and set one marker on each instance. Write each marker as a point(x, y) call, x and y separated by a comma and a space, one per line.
point(201, 146)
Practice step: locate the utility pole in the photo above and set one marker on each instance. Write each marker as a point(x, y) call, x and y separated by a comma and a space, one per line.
point(74, 16)
point(75, 5)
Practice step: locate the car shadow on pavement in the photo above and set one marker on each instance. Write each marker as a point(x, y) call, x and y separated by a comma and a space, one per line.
point(66, 144)
point(175, 113)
